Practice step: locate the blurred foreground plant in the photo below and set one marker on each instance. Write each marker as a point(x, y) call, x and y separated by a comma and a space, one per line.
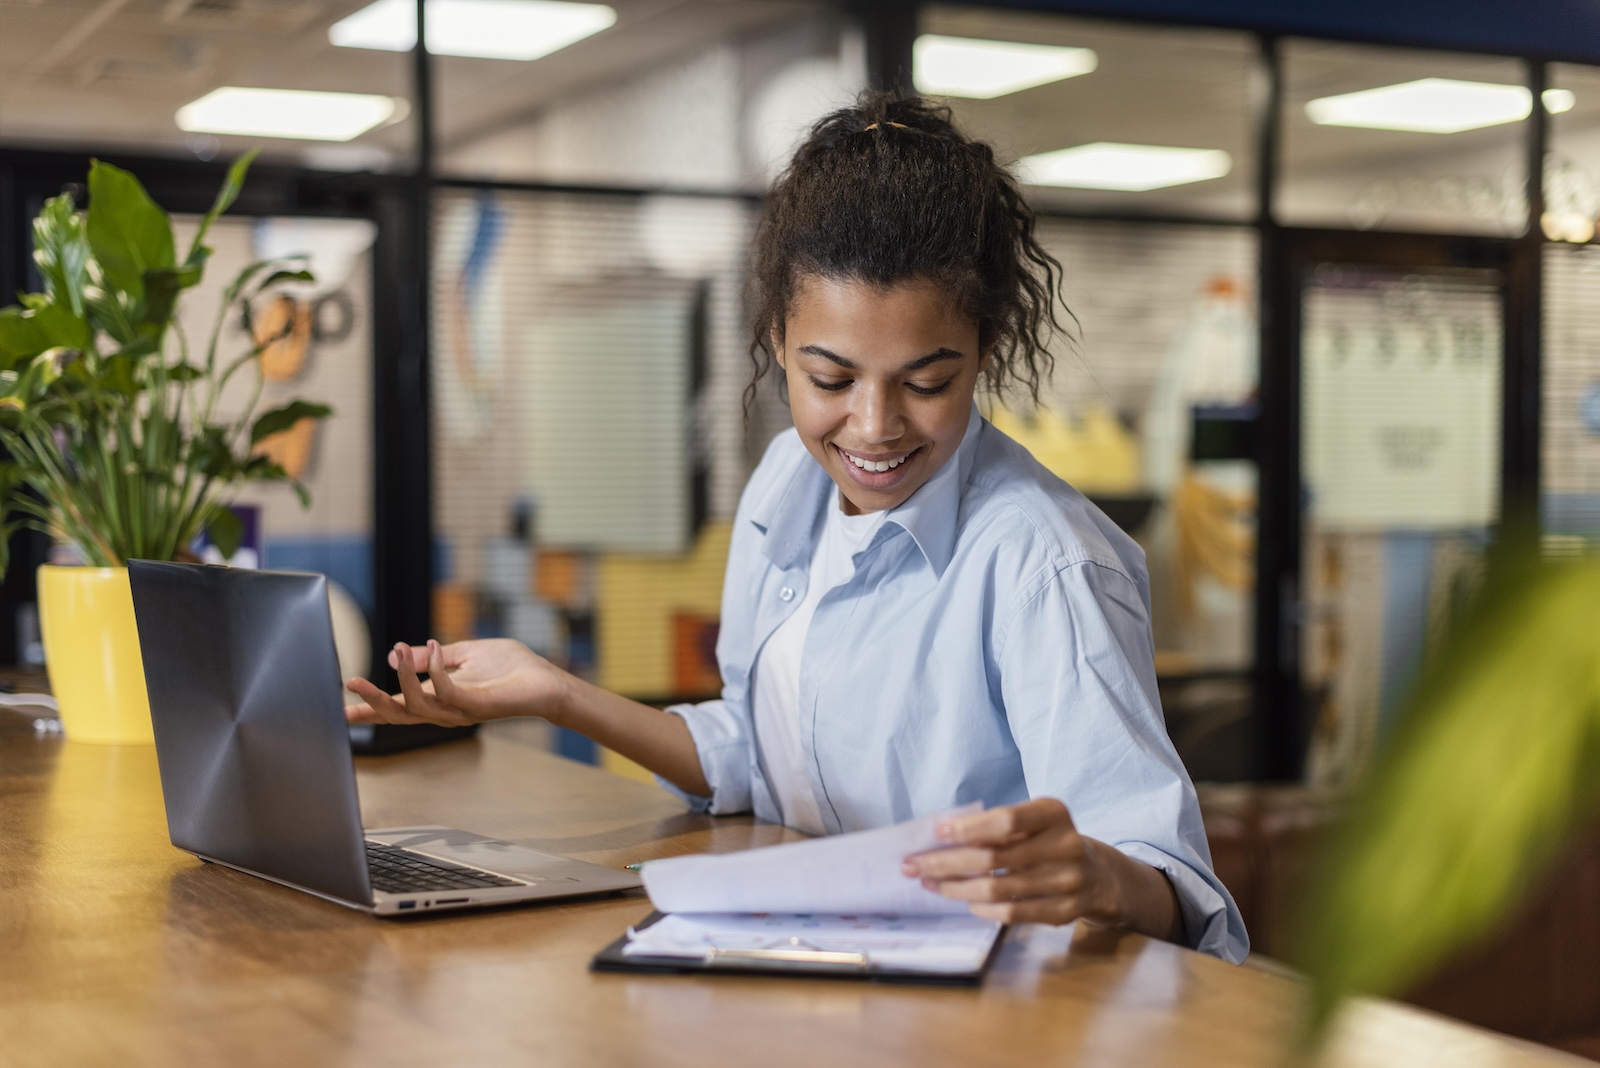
point(1493, 765)
point(115, 438)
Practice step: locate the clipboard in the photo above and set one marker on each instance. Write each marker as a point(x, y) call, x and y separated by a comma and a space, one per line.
point(783, 962)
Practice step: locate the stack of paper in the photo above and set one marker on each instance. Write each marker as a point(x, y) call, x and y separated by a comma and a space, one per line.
point(839, 895)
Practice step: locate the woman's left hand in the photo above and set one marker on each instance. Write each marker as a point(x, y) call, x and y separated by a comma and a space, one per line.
point(1027, 863)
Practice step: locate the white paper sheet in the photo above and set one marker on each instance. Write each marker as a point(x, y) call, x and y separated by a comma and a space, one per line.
point(948, 945)
point(844, 873)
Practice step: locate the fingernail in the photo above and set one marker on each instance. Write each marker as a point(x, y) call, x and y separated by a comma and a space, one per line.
point(910, 868)
point(945, 832)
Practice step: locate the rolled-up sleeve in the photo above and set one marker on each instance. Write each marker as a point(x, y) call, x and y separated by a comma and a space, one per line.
point(1078, 681)
point(722, 739)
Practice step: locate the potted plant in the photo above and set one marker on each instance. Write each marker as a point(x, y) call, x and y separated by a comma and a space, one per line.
point(115, 431)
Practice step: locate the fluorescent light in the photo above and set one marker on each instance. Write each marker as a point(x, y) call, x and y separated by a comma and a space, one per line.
point(966, 66)
point(1434, 105)
point(1558, 100)
point(1134, 168)
point(285, 113)
point(484, 29)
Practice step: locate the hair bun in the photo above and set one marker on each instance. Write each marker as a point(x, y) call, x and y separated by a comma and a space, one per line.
point(863, 200)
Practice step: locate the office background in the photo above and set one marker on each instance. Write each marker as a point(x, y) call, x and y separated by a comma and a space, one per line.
point(1316, 384)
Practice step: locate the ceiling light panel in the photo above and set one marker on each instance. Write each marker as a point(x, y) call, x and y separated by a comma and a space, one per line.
point(293, 113)
point(1433, 105)
point(970, 67)
point(1129, 168)
point(1557, 101)
point(483, 29)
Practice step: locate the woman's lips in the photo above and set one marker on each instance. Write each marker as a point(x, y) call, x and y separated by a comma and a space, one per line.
point(878, 480)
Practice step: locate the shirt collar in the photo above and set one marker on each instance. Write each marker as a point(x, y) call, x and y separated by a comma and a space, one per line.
point(930, 514)
point(788, 512)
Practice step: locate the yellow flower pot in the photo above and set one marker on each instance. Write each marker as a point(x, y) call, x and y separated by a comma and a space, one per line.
point(91, 647)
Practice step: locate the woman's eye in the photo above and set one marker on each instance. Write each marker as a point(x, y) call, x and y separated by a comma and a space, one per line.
point(929, 391)
point(829, 384)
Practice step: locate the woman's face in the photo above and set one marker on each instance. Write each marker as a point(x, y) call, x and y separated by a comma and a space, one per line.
point(880, 383)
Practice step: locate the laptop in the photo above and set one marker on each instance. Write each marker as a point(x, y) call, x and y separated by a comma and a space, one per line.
point(254, 752)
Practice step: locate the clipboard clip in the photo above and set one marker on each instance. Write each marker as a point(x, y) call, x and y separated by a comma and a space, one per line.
point(793, 952)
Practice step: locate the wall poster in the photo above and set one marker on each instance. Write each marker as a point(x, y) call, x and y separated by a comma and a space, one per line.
point(1401, 402)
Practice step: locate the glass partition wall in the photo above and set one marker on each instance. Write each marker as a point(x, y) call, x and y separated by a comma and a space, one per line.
point(1400, 347)
point(590, 437)
point(1570, 445)
point(1101, 116)
point(201, 80)
point(1401, 139)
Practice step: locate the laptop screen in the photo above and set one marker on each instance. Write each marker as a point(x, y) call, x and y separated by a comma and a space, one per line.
point(247, 705)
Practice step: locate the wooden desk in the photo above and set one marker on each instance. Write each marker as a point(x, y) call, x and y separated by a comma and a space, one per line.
point(116, 948)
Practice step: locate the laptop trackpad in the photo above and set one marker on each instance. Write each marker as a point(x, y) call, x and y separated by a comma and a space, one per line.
point(492, 854)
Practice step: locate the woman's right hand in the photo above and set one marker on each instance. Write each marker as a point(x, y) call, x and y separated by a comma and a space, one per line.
point(468, 682)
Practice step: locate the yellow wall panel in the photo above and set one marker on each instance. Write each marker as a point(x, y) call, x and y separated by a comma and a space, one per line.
point(636, 598)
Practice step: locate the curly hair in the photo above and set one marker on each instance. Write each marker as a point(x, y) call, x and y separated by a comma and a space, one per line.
point(890, 191)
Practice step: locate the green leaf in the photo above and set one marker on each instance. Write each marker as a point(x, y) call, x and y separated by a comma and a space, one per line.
point(236, 287)
point(286, 275)
point(64, 327)
point(210, 454)
point(225, 198)
point(143, 344)
point(61, 249)
point(110, 309)
point(25, 334)
point(184, 372)
point(128, 233)
point(1489, 770)
point(226, 530)
point(279, 419)
point(264, 469)
point(42, 372)
point(196, 263)
point(21, 336)
point(120, 374)
point(161, 289)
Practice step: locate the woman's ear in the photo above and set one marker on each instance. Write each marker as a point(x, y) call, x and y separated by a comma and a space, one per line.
point(777, 349)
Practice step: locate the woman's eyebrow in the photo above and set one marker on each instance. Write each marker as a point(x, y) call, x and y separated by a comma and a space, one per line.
point(933, 357)
point(915, 365)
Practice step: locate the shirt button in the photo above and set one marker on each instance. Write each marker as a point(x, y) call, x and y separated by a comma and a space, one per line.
point(786, 594)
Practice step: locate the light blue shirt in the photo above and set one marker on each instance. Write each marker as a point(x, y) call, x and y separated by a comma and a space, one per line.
point(993, 645)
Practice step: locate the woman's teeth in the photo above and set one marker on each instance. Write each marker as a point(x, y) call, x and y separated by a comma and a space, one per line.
point(876, 465)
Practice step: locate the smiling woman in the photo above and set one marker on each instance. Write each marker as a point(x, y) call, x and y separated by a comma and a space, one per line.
point(916, 614)
point(880, 381)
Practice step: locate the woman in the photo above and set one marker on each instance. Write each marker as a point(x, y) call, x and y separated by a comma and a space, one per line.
point(915, 614)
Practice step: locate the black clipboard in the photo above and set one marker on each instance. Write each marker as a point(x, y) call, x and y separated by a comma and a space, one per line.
point(783, 963)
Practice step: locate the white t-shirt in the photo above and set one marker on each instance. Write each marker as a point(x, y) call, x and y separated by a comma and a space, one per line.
point(776, 693)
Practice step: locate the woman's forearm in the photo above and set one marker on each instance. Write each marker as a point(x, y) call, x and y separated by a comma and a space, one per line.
point(647, 736)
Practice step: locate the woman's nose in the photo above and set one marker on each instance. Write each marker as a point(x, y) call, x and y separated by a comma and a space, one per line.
point(878, 418)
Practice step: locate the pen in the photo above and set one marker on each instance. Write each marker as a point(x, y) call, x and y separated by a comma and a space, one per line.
point(634, 866)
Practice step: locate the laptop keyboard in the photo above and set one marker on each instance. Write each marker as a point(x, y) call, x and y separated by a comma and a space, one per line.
point(400, 871)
